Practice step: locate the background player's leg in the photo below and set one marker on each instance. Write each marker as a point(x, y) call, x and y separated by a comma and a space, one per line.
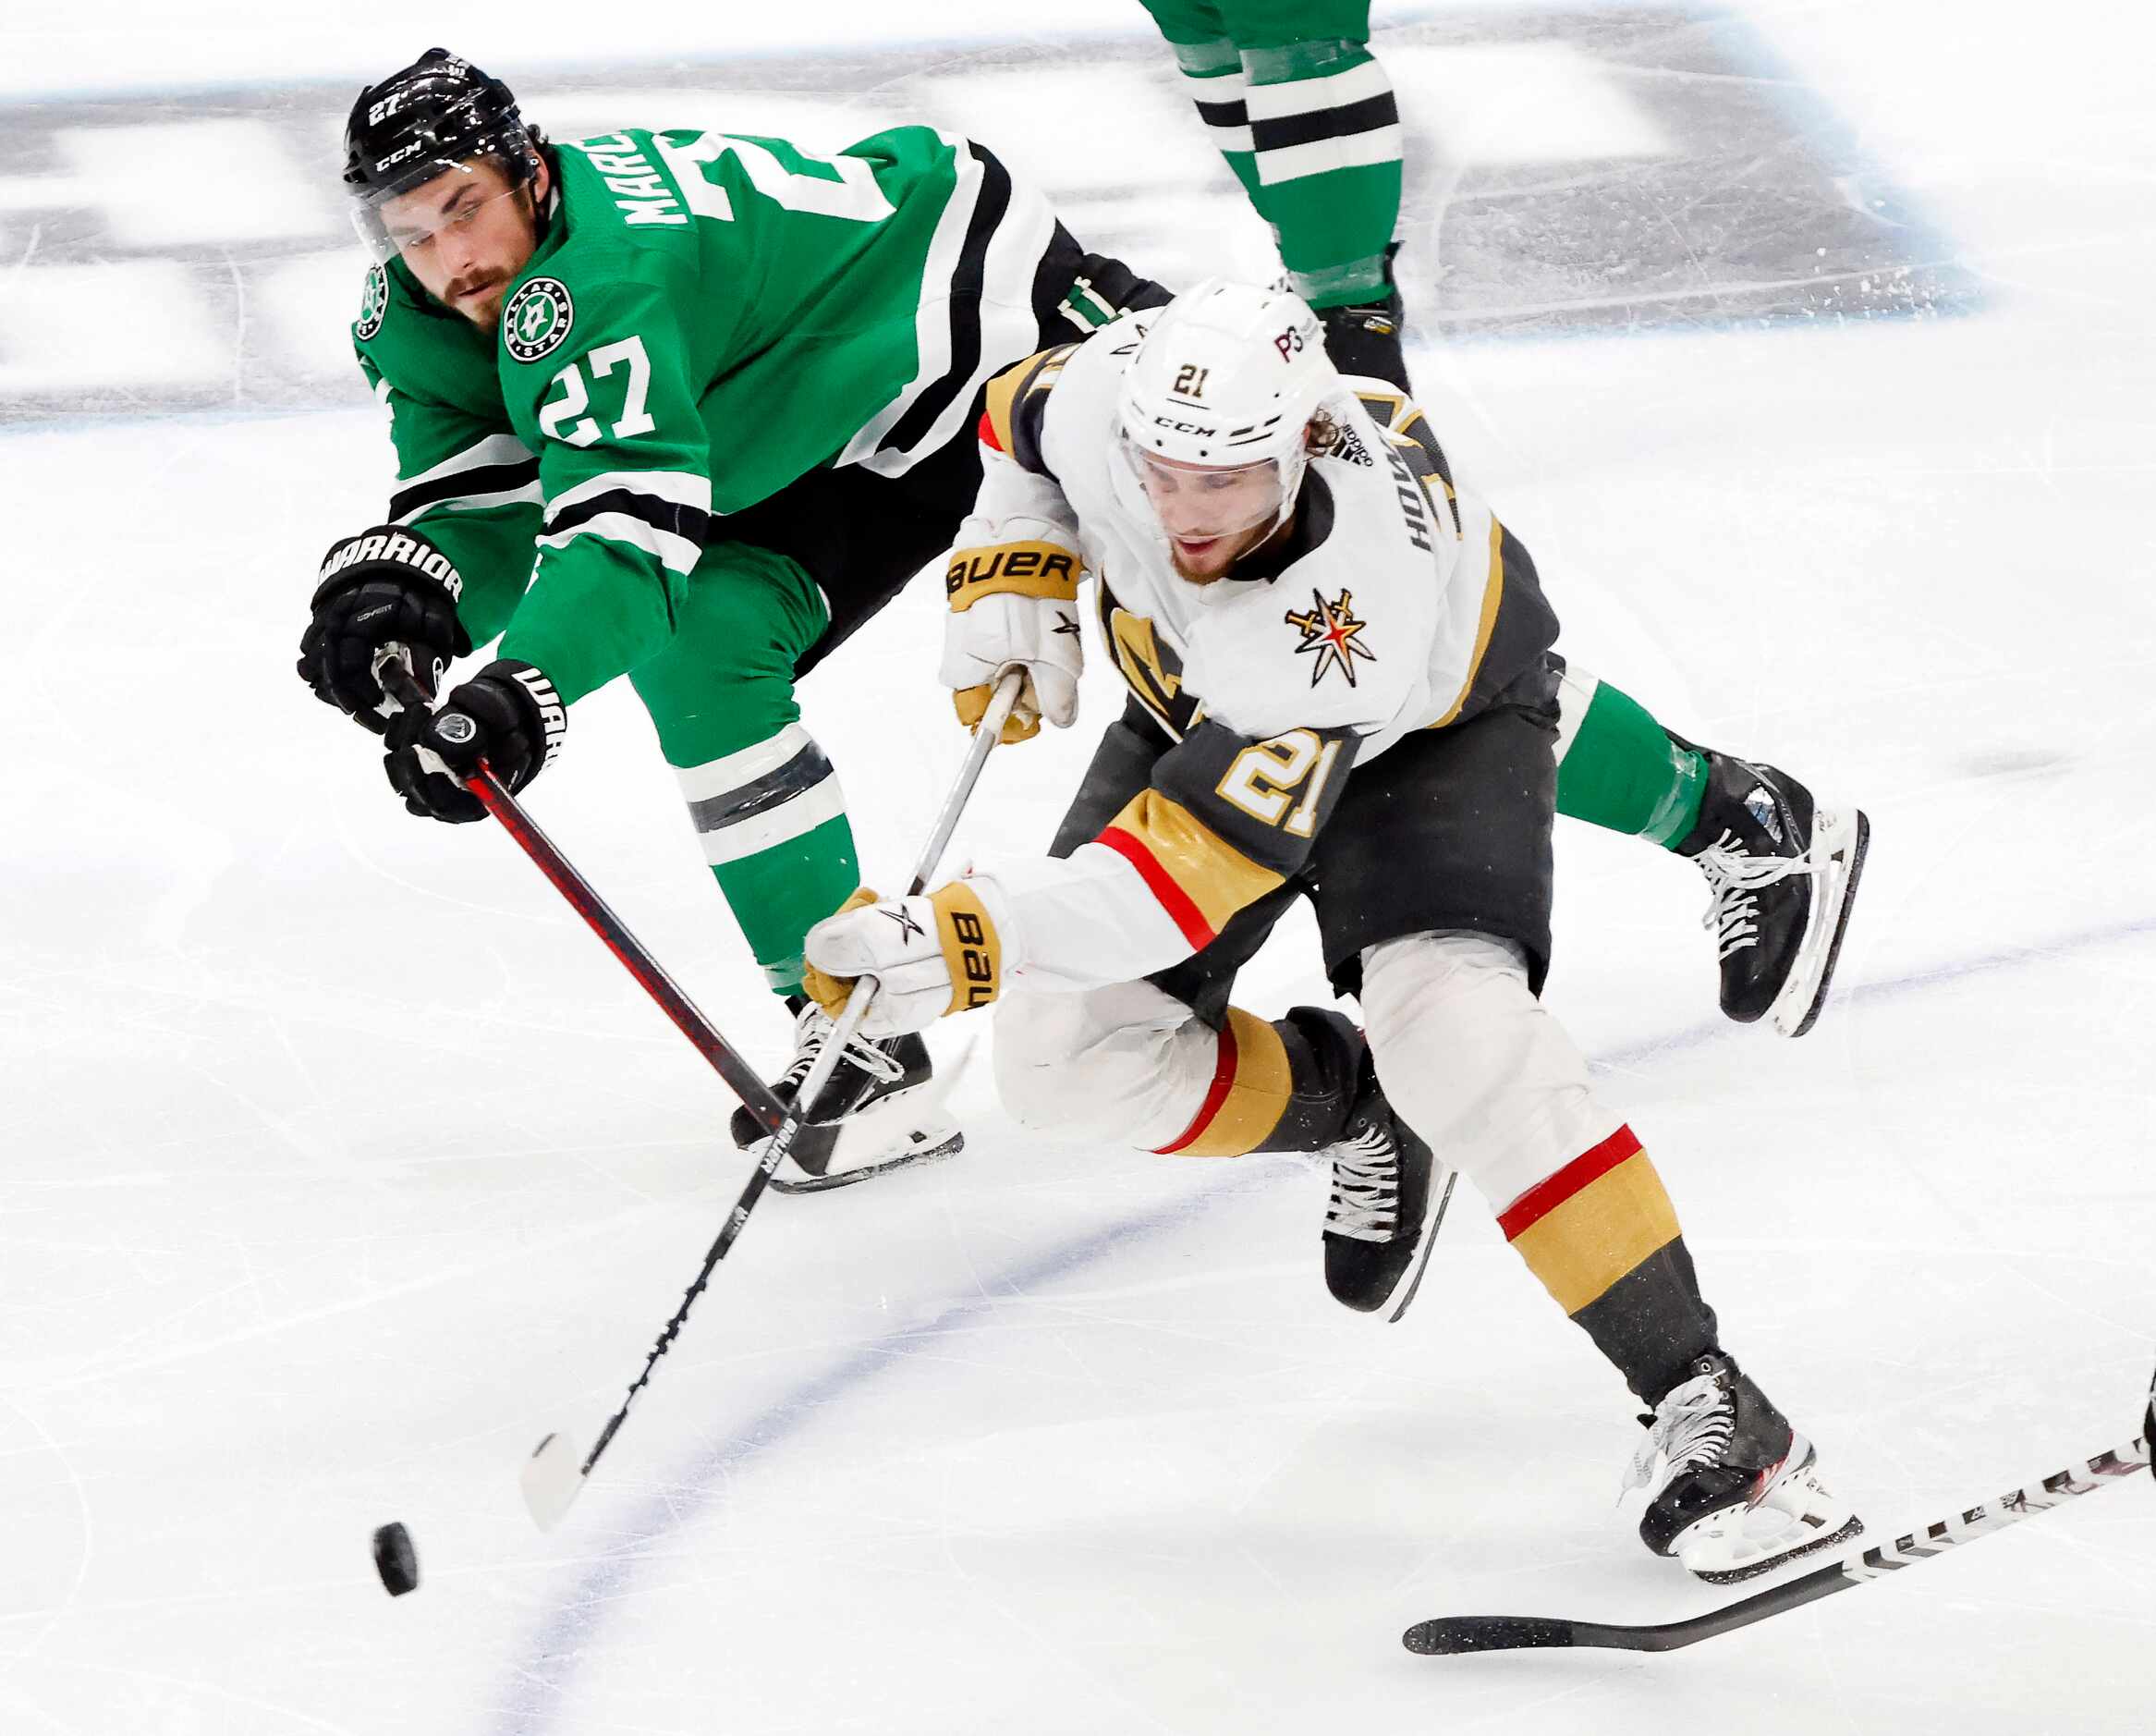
point(1325, 133)
point(1305, 118)
point(1212, 79)
point(1782, 872)
point(1619, 769)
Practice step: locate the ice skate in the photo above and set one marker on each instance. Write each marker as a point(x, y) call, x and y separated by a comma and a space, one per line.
point(1733, 1490)
point(1365, 339)
point(1389, 1197)
point(878, 1111)
point(1781, 876)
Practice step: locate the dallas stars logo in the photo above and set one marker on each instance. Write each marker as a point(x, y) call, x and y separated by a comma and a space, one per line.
point(373, 304)
point(1328, 630)
point(537, 319)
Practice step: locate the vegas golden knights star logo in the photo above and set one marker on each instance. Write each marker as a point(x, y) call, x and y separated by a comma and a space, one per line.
point(1329, 632)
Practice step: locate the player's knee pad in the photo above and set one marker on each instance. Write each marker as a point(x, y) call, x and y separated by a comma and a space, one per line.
point(1471, 1060)
point(1126, 1063)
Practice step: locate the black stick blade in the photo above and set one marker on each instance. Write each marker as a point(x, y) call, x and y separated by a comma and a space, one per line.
point(1447, 1636)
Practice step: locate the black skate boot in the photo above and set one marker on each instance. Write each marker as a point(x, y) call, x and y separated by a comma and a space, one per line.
point(1733, 1491)
point(1365, 339)
point(1781, 877)
point(875, 1113)
point(1389, 1197)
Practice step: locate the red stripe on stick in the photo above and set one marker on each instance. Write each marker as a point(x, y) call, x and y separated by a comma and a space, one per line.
point(1178, 903)
point(1583, 1171)
point(1216, 1093)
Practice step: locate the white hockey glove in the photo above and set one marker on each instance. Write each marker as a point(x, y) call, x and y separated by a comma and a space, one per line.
point(1014, 606)
point(930, 956)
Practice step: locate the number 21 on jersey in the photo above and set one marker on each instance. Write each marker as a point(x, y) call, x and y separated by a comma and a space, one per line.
point(1266, 778)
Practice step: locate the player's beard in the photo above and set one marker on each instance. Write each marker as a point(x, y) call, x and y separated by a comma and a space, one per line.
point(1217, 558)
point(484, 310)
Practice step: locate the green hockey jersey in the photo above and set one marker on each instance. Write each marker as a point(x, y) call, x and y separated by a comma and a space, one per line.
point(706, 318)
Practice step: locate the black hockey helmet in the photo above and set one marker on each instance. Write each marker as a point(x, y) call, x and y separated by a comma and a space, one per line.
point(430, 119)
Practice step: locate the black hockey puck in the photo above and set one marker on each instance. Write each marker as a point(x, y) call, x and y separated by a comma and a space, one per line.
point(395, 1560)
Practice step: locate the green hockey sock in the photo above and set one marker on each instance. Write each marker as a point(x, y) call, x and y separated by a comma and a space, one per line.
point(1617, 768)
point(1212, 79)
point(1326, 133)
point(777, 895)
point(765, 800)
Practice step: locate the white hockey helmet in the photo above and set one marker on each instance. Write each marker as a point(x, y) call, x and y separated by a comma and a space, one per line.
point(1226, 377)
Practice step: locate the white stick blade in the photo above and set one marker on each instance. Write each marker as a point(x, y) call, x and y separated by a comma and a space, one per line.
point(552, 1477)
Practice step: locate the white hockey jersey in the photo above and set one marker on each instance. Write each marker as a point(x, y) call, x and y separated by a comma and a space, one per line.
point(1376, 615)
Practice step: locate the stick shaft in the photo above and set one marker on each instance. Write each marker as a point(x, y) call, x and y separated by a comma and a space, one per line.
point(827, 1060)
point(1454, 1634)
point(704, 1036)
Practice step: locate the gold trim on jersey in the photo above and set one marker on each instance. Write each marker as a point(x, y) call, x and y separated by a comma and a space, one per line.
point(1394, 402)
point(1146, 670)
point(1036, 374)
point(1215, 878)
point(1492, 597)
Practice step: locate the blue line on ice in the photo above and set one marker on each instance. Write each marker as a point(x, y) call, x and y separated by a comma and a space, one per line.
point(538, 1687)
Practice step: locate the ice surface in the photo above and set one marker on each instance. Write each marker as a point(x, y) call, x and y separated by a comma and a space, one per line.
point(340, 1163)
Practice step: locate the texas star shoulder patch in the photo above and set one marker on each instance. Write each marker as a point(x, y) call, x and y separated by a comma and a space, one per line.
point(373, 304)
point(538, 318)
point(1328, 630)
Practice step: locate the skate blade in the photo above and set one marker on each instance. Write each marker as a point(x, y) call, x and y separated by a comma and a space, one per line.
point(1846, 838)
point(950, 1147)
point(1767, 1564)
point(1423, 1253)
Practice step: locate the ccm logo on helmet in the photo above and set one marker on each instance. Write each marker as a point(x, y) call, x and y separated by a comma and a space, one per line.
point(1289, 343)
point(1174, 426)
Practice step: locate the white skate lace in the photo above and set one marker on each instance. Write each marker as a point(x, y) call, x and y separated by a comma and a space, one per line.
point(814, 1031)
point(1734, 879)
point(1692, 1426)
point(1366, 1187)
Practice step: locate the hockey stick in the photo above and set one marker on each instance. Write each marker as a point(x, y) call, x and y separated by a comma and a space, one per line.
point(555, 1474)
point(1448, 1636)
point(726, 1060)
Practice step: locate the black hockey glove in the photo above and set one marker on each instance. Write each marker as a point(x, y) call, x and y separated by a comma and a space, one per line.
point(508, 715)
point(383, 587)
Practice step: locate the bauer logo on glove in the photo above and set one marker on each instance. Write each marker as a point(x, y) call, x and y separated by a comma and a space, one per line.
point(931, 955)
point(1030, 569)
point(1011, 609)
